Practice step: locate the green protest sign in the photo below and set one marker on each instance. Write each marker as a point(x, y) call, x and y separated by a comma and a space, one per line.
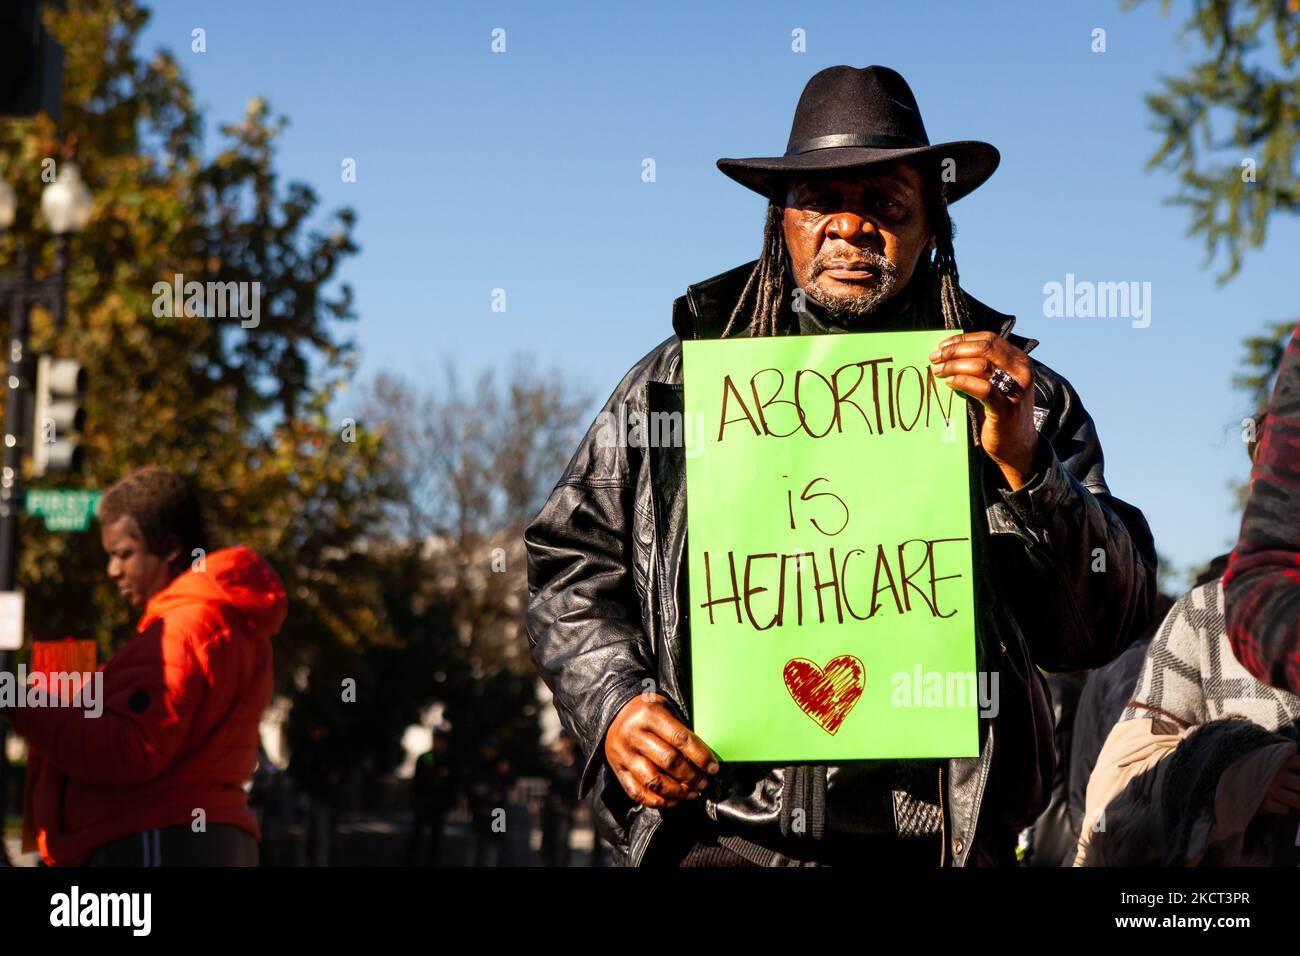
point(828, 530)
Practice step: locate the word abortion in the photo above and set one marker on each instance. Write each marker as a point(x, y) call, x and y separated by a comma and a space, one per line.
point(895, 399)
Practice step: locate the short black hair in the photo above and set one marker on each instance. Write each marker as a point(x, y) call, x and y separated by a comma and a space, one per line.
point(164, 507)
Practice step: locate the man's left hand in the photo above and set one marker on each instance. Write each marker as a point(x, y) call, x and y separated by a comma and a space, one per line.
point(1008, 436)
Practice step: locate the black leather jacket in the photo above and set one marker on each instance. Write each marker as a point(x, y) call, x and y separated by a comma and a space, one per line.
point(1066, 578)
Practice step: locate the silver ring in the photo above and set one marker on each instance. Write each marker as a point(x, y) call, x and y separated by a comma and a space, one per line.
point(1001, 380)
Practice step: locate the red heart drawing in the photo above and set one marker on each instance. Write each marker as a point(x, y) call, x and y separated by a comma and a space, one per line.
point(826, 695)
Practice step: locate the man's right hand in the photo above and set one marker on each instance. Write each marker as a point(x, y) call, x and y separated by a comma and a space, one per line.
point(655, 756)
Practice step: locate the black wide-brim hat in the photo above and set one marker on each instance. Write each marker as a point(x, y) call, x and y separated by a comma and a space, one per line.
point(850, 118)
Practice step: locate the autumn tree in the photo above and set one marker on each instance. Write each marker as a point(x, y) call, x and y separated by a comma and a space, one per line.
point(244, 407)
point(474, 465)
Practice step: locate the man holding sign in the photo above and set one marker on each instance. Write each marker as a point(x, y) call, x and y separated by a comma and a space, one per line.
point(895, 516)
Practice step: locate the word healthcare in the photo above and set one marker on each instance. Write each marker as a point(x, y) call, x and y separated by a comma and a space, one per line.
point(882, 579)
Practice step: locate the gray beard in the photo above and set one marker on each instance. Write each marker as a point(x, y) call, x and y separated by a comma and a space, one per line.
point(860, 304)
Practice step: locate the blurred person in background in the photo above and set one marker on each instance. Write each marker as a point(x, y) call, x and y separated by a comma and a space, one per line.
point(434, 790)
point(1262, 581)
point(1051, 839)
point(316, 768)
point(489, 796)
point(561, 801)
point(160, 777)
point(1202, 768)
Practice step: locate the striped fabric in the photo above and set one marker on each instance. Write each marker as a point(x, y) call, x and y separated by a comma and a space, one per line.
point(1191, 675)
point(1263, 576)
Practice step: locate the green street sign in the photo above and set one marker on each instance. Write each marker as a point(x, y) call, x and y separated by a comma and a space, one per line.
point(64, 509)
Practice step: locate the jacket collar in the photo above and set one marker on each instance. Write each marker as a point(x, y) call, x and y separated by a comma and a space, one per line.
point(702, 312)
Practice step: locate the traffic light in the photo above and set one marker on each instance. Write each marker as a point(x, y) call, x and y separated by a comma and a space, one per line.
point(60, 417)
point(31, 62)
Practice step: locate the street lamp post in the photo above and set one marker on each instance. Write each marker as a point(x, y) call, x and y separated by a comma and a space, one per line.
point(66, 205)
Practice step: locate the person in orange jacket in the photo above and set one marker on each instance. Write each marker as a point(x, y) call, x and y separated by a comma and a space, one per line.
point(160, 776)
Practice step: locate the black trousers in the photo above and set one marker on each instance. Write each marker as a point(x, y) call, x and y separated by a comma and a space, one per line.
point(692, 843)
point(220, 845)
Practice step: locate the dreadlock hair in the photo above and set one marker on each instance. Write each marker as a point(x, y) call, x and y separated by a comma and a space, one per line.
point(763, 297)
point(945, 282)
point(766, 283)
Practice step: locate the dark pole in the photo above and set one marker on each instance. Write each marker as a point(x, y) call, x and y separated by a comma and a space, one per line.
point(58, 295)
point(11, 500)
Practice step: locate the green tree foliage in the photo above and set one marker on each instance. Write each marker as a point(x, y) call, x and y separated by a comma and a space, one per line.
point(1256, 376)
point(1239, 103)
point(1230, 129)
point(243, 410)
point(398, 535)
point(1259, 365)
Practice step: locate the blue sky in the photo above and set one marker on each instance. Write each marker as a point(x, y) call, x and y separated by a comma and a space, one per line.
point(522, 171)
